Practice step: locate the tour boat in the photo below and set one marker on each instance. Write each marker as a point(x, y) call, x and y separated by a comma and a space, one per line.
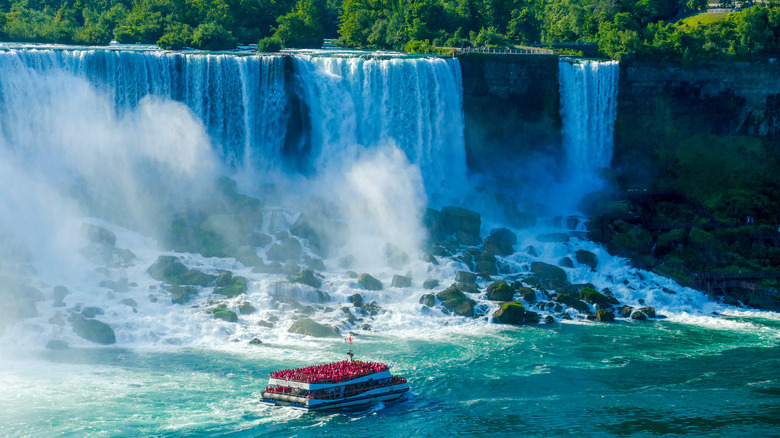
point(334, 385)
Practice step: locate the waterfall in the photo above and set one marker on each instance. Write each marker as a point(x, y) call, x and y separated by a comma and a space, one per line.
point(240, 99)
point(588, 92)
point(412, 103)
point(350, 103)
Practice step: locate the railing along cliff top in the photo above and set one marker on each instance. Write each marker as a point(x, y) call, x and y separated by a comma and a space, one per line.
point(512, 51)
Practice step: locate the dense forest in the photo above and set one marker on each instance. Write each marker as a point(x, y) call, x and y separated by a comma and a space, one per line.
point(644, 28)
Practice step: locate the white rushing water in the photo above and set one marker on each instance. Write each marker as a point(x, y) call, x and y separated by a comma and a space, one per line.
point(126, 136)
point(588, 92)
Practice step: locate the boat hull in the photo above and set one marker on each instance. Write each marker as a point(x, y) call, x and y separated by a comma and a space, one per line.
point(376, 395)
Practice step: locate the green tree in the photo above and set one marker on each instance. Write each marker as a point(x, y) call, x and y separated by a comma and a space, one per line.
point(301, 28)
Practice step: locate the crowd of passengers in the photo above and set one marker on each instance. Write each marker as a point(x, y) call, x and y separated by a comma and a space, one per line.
point(330, 372)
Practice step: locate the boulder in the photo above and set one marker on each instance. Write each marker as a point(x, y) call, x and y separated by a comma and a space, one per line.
point(285, 250)
point(401, 281)
point(605, 315)
point(98, 235)
point(625, 311)
point(639, 316)
point(308, 327)
point(224, 278)
point(502, 241)
point(307, 277)
point(572, 302)
point(395, 256)
point(356, 300)
point(586, 258)
point(182, 294)
point(592, 296)
point(500, 291)
point(466, 277)
point(649, 311)
point(93, 330)
point(527, 293)
point(430, 258)
point(430, 283)
point(428, 300)
point(514, 313)
point(485, 267)
point(91, 312)
point(456, 219)
point(237, 287)
point(246, 309)
point(255, 341)
point(59, 293)
point(549, 276)
point(221, 312)
point(369, 283)
point(456, 301)
point(169, 269)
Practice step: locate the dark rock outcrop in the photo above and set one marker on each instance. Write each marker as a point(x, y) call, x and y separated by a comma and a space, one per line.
point(93, 330)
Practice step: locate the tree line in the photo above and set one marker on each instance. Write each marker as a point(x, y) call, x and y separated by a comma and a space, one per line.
point(621, 28)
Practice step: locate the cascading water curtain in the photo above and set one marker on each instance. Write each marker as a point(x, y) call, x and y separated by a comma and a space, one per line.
point(240, 99)
point(412, 103)
point(588, 92)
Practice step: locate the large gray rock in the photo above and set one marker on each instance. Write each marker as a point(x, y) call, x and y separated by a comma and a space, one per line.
point(369, 282)
point(93, 330)
point(309, 327)
point(401, 281)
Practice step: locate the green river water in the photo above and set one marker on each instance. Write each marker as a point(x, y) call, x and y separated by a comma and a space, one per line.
point(716, 376)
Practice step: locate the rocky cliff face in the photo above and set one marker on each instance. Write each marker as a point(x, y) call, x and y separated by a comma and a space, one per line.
point(510, 104)
point(662, 104)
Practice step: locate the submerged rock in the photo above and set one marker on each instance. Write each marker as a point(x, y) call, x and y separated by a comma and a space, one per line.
point(356, 300)
point(309, 327)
